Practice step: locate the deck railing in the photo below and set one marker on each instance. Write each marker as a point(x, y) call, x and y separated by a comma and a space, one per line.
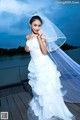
point(13, 75)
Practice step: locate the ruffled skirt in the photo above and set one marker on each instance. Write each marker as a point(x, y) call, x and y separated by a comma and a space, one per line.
point(47, 102)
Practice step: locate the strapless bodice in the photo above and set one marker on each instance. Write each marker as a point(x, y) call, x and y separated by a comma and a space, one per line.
point(34, 47)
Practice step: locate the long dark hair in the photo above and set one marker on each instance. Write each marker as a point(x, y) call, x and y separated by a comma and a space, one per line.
point(35, 18)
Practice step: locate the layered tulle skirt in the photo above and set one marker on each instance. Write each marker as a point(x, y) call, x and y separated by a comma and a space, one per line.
point(47, 102)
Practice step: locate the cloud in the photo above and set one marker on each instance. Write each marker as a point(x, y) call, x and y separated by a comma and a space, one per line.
point(19, 7)
point(13, 6)
point(12, 12)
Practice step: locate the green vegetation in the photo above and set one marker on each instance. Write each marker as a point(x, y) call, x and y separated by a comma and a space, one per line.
point(68, 47)
point(20, 50)
point(15, 51)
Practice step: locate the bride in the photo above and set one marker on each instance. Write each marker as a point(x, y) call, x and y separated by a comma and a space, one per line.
point(44, 78)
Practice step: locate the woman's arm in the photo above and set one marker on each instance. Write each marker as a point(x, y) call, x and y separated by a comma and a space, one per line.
point(42, 42)
point(26, 47)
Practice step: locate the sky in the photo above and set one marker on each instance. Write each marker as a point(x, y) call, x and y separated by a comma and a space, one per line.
point(15, 15)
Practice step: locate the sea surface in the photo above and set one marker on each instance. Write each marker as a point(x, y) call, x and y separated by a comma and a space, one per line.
point(13, 69)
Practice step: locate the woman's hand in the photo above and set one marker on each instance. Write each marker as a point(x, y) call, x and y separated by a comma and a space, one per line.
point(27, 49)
point(39, 34)
point(42, 42)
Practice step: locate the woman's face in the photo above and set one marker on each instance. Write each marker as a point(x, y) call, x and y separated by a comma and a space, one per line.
point(35, 26)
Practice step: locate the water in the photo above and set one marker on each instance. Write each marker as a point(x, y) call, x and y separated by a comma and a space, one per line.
point(21, 60)
point(74, 54)
point(13, 61)
point(13, 69)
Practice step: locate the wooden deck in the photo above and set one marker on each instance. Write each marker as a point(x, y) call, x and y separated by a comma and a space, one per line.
point(75, 109)
point(17, 105)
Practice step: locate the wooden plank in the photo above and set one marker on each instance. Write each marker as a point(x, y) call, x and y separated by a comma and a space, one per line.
point(17, 106)
point(21, 107)
point(74, 110)
point(11, 90)
point(31, 115)
point(5, 107)
point(78, 104)
point(76, 107)
point(25, 97)
point(13, 108)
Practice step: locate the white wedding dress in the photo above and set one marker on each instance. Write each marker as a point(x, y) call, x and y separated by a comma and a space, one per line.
point(44, 78)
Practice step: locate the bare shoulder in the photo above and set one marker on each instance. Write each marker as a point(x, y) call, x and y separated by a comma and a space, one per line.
point(28, 37)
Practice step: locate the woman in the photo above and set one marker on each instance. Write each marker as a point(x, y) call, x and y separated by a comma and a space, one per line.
point(44, 78)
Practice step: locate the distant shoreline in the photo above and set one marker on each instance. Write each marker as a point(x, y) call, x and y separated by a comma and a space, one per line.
point(68, 47)
point(20, 50)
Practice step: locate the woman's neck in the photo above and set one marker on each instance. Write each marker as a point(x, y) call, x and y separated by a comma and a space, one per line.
point(34, 34)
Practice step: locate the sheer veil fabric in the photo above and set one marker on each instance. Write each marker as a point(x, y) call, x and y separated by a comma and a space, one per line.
point(54, 78)
point(69, 69)
point(70, 75)
point(54, 37)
